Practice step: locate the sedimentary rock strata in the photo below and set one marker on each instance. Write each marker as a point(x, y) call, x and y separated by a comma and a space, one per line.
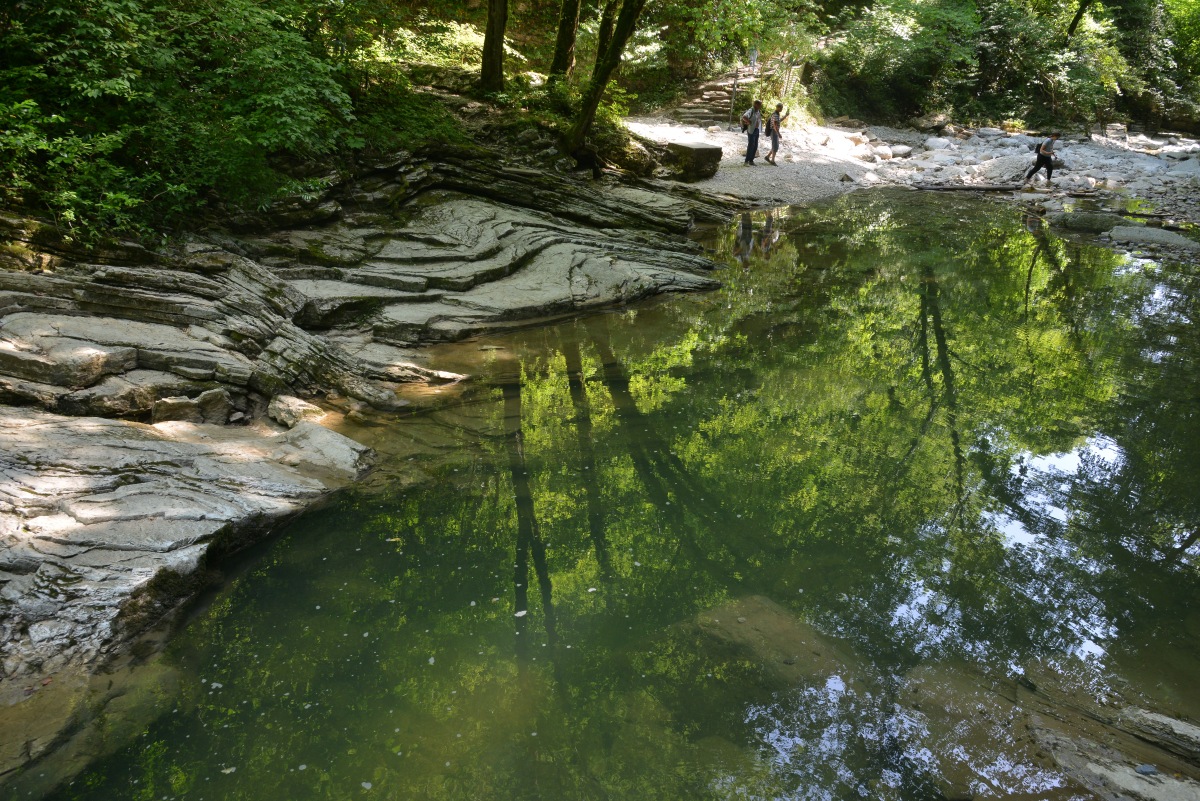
point(318, 299)
point(92, 511)
point(409, 251)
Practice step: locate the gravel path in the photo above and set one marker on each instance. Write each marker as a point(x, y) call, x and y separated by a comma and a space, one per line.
point(813, 161)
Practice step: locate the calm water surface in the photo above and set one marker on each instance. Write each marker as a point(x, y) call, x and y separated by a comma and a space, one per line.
point(713, 547)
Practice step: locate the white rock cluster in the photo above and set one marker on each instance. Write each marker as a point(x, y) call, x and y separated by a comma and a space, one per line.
point(1136, 165)
point(819, 161)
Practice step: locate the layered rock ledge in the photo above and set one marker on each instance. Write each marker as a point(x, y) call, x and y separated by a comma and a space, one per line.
point(135, 384)
point(94, 511)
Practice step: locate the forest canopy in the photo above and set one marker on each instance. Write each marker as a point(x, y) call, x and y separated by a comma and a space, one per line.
point(128, 116)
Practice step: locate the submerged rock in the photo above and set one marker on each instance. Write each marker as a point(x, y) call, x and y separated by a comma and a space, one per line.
point(791, 651)
point(1089, 222)
point(1143, 235)
point(971, 735)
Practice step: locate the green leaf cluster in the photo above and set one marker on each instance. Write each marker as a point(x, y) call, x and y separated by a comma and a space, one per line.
point(119, 116)
point(1040, 61)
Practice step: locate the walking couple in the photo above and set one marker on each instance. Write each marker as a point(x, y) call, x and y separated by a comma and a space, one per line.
point(753, 123)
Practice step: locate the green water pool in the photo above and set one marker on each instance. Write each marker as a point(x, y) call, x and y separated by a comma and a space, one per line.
point(919, 457)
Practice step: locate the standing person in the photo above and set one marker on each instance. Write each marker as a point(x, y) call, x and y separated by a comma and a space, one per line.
point(1045, 158)
point(769, 235)
point(744, 244)
point(773, 123)
point(752, 124)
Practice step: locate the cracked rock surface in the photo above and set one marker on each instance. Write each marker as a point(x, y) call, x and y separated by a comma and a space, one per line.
point(92, 511)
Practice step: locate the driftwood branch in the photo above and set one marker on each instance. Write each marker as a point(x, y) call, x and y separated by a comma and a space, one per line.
point(968, 187)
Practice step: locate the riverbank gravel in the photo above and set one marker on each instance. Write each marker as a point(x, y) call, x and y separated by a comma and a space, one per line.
point(817, 161)
point(814, 161)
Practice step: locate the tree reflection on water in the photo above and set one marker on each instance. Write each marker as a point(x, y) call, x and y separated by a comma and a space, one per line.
point(962, 448)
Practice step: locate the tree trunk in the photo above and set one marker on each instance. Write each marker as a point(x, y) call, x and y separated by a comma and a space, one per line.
point(608, 18)
point(491, 78)
point(1079, 12)
point(564, 45)
point(949, 393)
point(607, 61)
point(587, 454)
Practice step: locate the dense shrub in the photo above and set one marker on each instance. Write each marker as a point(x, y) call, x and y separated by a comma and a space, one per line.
point(122, 115)
point(1036, 60)
point(896, 60)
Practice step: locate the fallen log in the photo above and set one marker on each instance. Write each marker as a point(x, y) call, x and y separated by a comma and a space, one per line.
point(968, 187)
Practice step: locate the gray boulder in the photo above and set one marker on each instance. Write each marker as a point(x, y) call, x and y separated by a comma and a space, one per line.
point(695, 161)
point(1143, 235)
point(289, 411)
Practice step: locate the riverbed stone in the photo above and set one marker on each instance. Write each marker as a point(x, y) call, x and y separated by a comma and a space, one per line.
point(1177, 736)
point(1112, 774)
point(1090, 222)
point(695, 161)
point(794, 653)
point(971, 736)
point(289, 411)
point(1144, 235)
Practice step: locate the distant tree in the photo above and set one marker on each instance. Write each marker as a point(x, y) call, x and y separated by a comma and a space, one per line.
point(608, 18)
point(491, 77)
point(607, 60)
point(564, 44)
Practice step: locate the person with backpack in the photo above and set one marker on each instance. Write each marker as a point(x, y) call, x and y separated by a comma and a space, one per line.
point(752, 124)
point(1045, 158)
point(773, 123)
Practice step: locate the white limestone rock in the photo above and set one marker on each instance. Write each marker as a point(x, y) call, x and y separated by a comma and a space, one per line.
point(92, 510)
point(288, 410)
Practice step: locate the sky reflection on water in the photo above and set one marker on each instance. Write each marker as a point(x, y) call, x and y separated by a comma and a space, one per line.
point(918, 457)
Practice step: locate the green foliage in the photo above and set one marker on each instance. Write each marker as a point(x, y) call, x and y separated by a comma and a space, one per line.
point(901, 58)
point(1040, 60)
point(679, 43)
point(140, 109)
point(392, 115)
point(431, 40)
point(120, 116)
point(1185, 15)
